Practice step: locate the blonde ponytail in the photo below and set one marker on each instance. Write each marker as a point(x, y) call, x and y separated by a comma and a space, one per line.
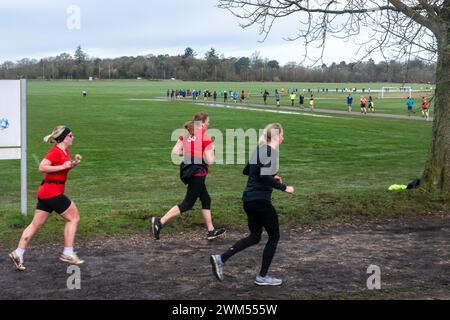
point(266, 137)
point(51, 138)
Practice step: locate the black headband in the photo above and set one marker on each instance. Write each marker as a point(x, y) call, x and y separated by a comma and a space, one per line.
point(63, 135)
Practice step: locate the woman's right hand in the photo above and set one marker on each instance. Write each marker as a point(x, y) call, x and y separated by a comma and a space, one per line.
point(178, 148)
point(67, 165)
point(289, 189)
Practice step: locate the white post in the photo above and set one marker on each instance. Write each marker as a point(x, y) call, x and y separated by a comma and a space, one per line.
point(23, 149)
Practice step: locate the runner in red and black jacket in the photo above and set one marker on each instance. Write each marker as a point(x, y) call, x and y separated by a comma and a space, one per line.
point(197, 149)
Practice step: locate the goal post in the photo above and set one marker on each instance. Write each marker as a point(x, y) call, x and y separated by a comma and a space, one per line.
point(395, 92)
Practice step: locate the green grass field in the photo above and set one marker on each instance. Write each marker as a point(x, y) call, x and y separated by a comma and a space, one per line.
point(340, 166)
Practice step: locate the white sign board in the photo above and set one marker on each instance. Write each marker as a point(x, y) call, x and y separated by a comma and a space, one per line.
point(10, 153)
point(13, 129)
point(10, 117)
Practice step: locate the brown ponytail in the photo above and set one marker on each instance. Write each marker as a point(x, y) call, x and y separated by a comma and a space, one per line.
point(200, 116)
point(189, 126)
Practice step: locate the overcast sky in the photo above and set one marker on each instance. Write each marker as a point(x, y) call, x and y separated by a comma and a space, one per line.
point(113, 28)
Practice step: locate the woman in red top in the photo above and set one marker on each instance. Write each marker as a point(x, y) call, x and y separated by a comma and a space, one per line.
point(424, 108)
point(198, 151)
point(56, 166)
point(363, 105)
point(242, 96)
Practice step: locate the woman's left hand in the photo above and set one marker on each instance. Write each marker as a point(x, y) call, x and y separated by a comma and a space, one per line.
point(77, 159)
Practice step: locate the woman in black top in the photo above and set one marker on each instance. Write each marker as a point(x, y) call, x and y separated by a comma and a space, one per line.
point(262, 179)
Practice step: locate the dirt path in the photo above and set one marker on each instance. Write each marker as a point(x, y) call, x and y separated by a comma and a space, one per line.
point(322, 262)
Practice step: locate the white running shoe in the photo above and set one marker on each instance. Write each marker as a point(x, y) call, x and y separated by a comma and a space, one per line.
point(72, 259)
point(18, 261)
point(267, 281)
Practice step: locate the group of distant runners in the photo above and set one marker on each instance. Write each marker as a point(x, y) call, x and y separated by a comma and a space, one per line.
point(242, 97)
point(196, 148)
point(371, 108)
point(424, 108)
point(364, 104)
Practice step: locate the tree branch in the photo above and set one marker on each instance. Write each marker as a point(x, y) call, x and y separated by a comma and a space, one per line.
point(415, 15)
point(429, 8)
point(343, 19)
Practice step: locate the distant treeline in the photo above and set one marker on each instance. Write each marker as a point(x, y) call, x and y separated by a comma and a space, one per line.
point(213, 67)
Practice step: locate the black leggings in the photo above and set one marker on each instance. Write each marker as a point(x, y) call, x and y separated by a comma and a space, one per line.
point(260, 214)
point(196, 189)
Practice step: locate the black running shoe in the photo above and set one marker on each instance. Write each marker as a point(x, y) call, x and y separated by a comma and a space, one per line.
point(156, 227)
point(215, 233)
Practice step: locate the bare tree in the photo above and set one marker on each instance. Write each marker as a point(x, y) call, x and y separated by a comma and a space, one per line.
point(409, 28)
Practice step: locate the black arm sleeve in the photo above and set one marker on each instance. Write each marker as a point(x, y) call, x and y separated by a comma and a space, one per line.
point(272, 182)
point(246, 170)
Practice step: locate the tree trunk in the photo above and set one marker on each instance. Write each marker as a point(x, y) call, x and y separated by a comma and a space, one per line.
point(436, 176)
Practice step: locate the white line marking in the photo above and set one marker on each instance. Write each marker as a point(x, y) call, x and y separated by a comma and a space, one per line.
point(262, 110)
point(162, 100)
